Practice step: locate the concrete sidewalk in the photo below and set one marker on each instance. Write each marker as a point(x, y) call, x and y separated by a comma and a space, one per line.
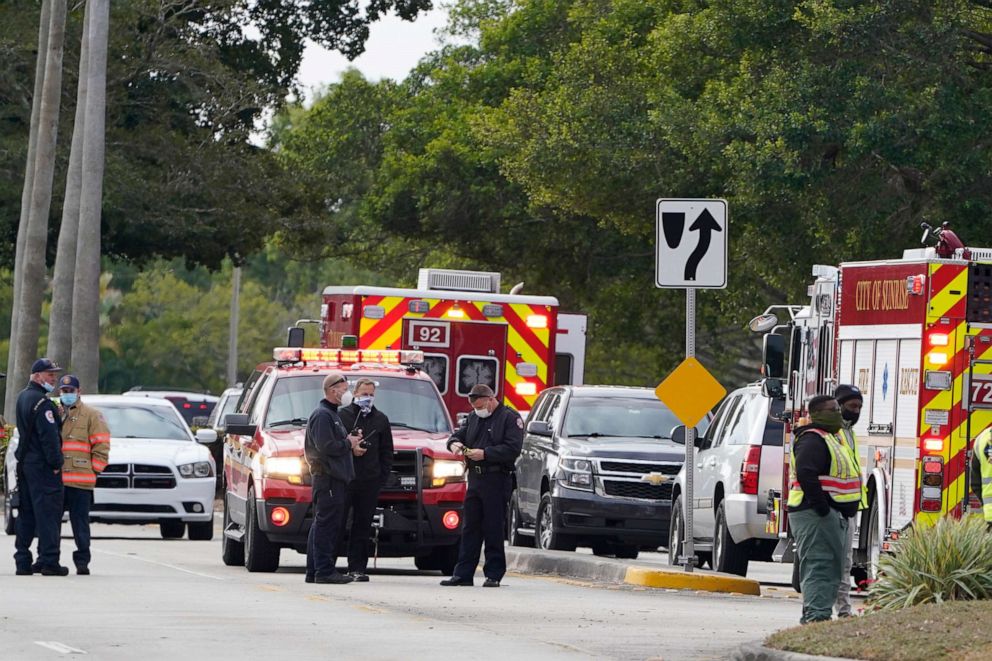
point(631, 572)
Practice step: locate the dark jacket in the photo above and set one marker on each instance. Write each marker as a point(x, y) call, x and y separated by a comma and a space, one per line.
point(327, 448)
point(38, 426)
point(812, 461)
point(377, 461)
point(501, 435)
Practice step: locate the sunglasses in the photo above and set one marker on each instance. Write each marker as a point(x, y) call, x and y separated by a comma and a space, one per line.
point(339, 381)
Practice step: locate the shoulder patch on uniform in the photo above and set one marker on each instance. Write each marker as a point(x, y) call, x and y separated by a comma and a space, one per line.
point(50, 417)
point(520, 422)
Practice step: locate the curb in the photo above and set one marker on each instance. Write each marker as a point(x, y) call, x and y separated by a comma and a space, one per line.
point(563, 563)
point(758, 652)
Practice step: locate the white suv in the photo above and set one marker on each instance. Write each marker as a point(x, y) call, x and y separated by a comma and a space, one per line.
point(737, 462)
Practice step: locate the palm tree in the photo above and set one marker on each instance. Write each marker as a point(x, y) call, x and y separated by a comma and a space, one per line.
point(86, 292)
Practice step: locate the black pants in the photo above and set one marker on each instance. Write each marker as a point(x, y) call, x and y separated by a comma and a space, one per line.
point(38, 515)
point(363, 496)
point(77, 503)
point(485, 515)
point(329, 497)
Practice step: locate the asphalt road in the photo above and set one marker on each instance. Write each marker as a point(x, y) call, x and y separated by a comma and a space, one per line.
point(154, 599)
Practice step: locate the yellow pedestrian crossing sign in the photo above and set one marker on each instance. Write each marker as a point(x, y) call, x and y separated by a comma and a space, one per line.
point(690, 391)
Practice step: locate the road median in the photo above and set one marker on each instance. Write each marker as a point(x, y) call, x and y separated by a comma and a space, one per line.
point(629, 572)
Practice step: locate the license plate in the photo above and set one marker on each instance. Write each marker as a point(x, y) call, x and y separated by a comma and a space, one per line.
point(408, 481)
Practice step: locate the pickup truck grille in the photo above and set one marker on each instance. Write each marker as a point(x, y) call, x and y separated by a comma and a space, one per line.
point(625, 489)
point(403, 476)
point(638, 467)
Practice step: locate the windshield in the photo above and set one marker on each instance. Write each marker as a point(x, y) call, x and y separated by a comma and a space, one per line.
point(144, 422)
point(408, 403)
point(620, 416)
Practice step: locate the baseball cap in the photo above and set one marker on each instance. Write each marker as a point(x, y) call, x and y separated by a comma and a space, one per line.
point(480, 390)
point(845, 392)
point(44, 365)
point(69, 381)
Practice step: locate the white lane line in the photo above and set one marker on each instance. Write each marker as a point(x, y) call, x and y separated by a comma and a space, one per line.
point(56, 646)
point(160, 564)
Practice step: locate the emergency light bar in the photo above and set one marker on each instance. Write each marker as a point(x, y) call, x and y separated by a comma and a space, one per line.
point(346, 356)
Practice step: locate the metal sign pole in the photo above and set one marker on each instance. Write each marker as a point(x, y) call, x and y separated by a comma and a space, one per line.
point(689, 551)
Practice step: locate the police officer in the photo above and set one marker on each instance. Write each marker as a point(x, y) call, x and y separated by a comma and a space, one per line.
point(373, 462)
point(86, 448)
point(824, 492)
point(328, 449)
point(491, 440)
point(850, 399)
point(39, 464)
point(981, 473)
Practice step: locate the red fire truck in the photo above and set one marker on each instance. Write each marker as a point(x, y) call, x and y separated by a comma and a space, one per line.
point(915, 335)
point(469, 333)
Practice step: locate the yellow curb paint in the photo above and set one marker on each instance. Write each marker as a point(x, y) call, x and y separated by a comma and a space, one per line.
point(655, 578)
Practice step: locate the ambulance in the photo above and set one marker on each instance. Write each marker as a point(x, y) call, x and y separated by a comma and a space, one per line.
point(915, 335)
point(468, 331)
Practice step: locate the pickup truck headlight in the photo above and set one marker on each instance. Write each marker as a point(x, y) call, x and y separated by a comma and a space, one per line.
point(289, 468)
point(444, 471)
point(575, 473)
point(197, 469)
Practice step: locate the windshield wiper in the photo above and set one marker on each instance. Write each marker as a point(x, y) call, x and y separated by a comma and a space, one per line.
point(596, 434)
point(663, 438)
point(404, 425)
point(298, 422)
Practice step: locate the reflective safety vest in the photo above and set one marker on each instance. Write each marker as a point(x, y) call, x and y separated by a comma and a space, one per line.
point(982, 454)
point(842, 484)
point(85, 446)
point(850, 442)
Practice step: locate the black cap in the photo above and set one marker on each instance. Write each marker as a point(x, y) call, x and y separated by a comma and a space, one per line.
point(69, 381)
point(44, 365)
point(480, 390)
point(845, 392)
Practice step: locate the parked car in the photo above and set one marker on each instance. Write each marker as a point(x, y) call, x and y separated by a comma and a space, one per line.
point(157, 473)
point(597, 469)
point(738, 461)
point(189, 403)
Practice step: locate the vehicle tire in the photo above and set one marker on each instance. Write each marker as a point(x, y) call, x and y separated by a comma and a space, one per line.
point(200, 531)
point(545, 535)
point(796, 576)
point(676, 532)
point(447, 558)
point(261, 555)
point(873, 543)
point(626, 552)
point(171, 528)
point(231, 552)
point(9, 520)
point(513, 524)
point(728, 556)
point(426, 562)
point(601, 549)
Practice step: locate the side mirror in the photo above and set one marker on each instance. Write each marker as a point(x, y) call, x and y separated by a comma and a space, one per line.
point(539, 428)
point(237, 424)
point(206, 436)
point(296, 335)
point(678, 434)
point(773, 388)
point(773, 356)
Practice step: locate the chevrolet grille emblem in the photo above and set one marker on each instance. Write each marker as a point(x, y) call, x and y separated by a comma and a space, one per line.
point(655, 478)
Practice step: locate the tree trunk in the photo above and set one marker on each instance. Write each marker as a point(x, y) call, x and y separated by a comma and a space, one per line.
point(33, 266)
point(60, 318)
point(15, 375)
point(86, 292)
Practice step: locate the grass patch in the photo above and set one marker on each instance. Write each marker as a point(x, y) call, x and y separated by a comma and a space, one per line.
point(960, 630)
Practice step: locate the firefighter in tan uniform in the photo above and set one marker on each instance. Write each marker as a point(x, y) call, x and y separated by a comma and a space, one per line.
point(86, 448)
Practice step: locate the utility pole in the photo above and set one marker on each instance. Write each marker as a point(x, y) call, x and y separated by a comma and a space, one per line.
point(232, 342)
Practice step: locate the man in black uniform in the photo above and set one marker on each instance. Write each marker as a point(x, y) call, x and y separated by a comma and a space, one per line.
point(39, 479)
point(373, 463)
point(491, 440)
point(328, 448)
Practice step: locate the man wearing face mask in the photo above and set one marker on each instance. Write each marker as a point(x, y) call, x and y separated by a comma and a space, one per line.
point(86, 448)
point(491, 439)
point(824, 493)
point(328, 450)
point(850, 400)
point(373, 463)
point(39, 463)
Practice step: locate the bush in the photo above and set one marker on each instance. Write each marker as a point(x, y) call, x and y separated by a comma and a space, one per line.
point(951, 561)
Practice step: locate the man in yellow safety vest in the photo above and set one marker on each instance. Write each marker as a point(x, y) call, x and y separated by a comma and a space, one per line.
point(824, 492)
point(850, 399)
point(981, 473)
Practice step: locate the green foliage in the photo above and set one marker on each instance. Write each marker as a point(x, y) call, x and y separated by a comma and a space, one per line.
point(950, 561)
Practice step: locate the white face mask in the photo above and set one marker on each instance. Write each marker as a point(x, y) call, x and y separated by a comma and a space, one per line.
point(483, 412)
point(346, 398)
point(364, 402)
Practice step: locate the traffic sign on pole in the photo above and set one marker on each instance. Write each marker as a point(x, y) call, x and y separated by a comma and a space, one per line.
point(691, 244)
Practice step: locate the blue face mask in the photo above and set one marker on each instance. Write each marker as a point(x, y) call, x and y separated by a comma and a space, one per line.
point(364, 403)
point(69, 398)
point(47, 386)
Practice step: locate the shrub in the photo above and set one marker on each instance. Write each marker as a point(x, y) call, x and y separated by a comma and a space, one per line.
point(950, 561)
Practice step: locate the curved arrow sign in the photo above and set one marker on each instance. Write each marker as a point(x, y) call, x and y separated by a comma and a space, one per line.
point(694, 256)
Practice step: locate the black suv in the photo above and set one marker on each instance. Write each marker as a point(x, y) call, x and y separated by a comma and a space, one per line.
point(597, 469)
